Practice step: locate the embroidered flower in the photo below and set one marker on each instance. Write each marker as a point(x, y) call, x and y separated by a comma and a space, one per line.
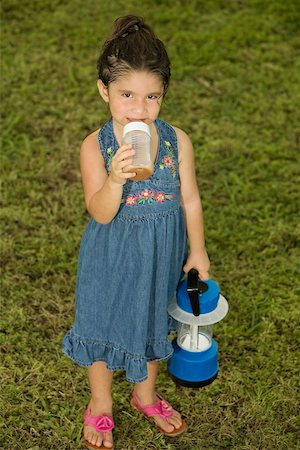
point(160, 197)
point(110, 155)
point(147, 197)
point(169, 160)
point(130, 200)
point(146, 194)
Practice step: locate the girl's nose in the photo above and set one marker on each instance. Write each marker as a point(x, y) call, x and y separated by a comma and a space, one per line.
point(139, 106)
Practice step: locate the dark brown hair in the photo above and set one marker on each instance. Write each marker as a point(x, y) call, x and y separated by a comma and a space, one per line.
point(133, 46)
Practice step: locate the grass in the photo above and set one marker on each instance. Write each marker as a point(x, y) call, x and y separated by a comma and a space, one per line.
point(235, 90)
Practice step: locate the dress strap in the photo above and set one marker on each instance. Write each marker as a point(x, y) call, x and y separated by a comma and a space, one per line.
point(168, 158)
point(107, 143)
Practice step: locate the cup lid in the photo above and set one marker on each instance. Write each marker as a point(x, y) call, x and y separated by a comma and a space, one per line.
point(140, 126)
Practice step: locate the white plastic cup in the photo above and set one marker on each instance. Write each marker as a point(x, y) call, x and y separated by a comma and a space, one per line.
point(138, 135)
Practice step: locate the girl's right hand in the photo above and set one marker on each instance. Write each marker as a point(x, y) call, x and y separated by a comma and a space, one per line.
point(120, 161)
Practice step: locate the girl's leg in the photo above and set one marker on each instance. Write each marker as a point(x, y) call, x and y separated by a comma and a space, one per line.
point(146, 394)
point(100, 380)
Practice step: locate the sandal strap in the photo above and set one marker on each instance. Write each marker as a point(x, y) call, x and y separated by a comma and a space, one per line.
point(160, 408)
point(102, 424)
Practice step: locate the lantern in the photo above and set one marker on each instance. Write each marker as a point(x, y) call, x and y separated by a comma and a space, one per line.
point(199, 305)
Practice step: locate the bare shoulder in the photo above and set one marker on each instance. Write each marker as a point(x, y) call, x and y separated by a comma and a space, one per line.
point(185, 145)
point(90, 143)
point(181, 135)
point(90, 155)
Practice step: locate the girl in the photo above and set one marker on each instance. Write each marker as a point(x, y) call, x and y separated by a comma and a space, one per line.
point(134, 246)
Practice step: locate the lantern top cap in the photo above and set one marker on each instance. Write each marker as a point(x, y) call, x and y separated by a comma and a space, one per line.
point(204, 293)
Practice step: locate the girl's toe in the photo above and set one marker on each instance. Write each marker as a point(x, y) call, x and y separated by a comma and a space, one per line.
point(94, 440)
point(90, 437)
point(175, 421)
point(178, 425)
point(178, 422)
point(107, 442)
point(99, 441)
point(165, 425)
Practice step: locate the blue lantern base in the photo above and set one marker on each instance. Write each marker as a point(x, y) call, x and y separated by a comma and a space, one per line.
point(193, 384)
point(194, 369)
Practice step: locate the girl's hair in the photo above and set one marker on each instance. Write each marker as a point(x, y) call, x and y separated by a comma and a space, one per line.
point(133, 46)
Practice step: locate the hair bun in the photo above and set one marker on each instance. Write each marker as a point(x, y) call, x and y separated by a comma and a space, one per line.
point(130, 24)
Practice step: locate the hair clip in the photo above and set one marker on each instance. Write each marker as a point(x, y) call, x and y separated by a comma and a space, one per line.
point(134, 28)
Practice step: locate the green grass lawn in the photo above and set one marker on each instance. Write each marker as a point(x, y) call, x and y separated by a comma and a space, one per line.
point(236, 90)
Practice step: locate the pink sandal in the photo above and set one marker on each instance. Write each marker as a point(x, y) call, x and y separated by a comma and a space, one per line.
point(160, 408)
point(102, 424)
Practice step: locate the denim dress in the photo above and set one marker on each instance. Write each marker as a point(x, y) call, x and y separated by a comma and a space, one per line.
point(128, 269)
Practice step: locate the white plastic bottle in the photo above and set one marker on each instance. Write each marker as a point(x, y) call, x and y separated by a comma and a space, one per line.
point(138, 135)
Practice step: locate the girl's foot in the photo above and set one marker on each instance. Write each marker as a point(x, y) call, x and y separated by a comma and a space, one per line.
point(98, 416)
point(165, 417)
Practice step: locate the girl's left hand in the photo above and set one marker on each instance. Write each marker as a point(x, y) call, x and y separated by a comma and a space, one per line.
point(200, 262)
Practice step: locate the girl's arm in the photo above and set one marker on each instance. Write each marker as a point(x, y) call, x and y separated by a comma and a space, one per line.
point(103, 192)
point(191, 201)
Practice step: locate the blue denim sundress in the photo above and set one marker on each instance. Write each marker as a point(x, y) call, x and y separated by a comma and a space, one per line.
point(128, 269)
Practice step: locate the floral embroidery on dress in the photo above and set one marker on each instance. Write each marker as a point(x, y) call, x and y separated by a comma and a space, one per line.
point(110, 155)
point(169, 160)
point(147, 196)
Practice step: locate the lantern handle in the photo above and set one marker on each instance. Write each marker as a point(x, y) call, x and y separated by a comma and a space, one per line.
point(195, 288)
point(192, 288)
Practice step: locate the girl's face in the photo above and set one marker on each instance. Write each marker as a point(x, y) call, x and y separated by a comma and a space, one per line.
point(135, 96)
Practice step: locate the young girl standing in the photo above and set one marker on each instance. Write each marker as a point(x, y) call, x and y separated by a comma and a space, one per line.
point(134, 247)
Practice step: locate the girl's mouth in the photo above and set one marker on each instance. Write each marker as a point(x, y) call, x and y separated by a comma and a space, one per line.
point(135, 120)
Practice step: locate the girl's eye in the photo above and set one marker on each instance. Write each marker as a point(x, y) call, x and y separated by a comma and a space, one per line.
point(152, 97)
point(126, 94)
